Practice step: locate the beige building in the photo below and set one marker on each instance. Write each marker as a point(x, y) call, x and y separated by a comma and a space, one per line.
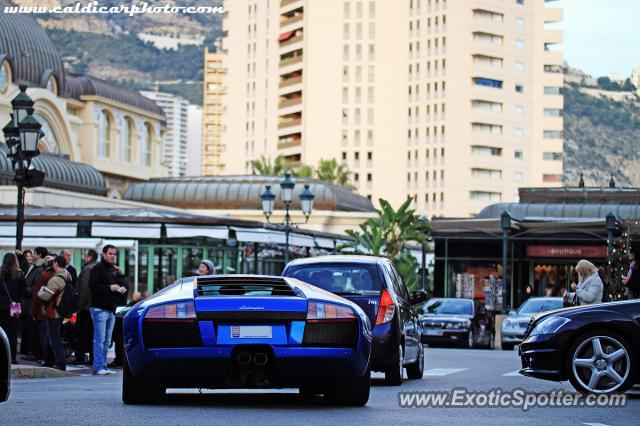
point(212, 147)
point(113, 129)
point(454, 103)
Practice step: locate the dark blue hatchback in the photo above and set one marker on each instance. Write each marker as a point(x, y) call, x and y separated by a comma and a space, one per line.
point(374, 284)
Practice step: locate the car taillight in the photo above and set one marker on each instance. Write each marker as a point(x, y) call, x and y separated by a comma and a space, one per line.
point(386, 309)
point(181, 311)
point(327, 312)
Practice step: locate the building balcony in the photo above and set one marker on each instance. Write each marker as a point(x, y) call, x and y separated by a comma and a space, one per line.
point(553, 58)
point(290, 82)
point(553, 36)
point(289, 144)
point(291, 61)
point(291, 41)
point(284, 3)
point(553, 14)
point(290, 102)
point(290, 123)
point(286, 21)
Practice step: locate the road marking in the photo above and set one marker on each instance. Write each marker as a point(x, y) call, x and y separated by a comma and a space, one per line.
point(595, 424)
point(512, 374)
point(443, 371)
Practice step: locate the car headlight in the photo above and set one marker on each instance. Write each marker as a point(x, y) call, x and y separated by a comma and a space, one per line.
point(508, 323)
point(459, 324)
point(549, 325)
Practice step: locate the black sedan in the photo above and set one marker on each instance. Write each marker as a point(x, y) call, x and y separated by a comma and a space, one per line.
point(5, 367)
point(596, 347)
point(460, 322)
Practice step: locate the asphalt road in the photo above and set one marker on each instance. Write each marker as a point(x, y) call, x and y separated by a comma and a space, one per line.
point(96, 400)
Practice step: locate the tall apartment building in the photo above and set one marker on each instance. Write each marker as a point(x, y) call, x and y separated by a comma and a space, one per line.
point(174, 141)
point(212, 148)
point(453, 103)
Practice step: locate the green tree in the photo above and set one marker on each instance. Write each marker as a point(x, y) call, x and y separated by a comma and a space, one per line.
point(278, 167)
point(387, 235)
point(332, 172)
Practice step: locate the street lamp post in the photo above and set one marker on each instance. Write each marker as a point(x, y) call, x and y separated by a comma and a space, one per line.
point(22, 134)
point(610, 220)
point(423, 276)
point(286, 195)
point(505, 224)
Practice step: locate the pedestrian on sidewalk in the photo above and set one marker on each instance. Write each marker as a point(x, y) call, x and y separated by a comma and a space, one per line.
point(84, 324)
point(52, 293)
point(118, 335)
point(30, 341)
point(104, 298)
point(632, 280)
point(589, 289)
point(11, 289)
point(72, 271)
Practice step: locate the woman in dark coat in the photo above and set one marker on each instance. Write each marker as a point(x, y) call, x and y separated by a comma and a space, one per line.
point(12, 287)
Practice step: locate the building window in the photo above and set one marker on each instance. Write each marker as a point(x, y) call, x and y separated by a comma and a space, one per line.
point(519, 110)
point(52, 85)
point(486, 173)
point(5, 76)
point(486, 151)
point(518, 155)
point(126, 140)
point(490, 61)
point(518, 176)
point(518, 132)
point(485, 196)
point(550, 90)
point(552, 156)
point(519, 22)
point(145, 145)
point(369, 177)
point(519, 66)
point(551, 178)
point(493, 129)
point(104, 134)
point(553, 134)
point(519, 88)
point(552, 112)
point(488, 38)
point(486, 105)
point(519, 44)
point(481, 81)
point(520, 2)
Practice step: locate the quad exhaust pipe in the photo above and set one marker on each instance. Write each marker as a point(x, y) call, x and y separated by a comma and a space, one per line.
point(260, 359)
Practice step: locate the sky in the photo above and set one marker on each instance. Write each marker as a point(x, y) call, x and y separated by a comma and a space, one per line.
point(601, 37)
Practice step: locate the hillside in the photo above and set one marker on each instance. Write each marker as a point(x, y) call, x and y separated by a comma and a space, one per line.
point(601, 136)
point(110, 46)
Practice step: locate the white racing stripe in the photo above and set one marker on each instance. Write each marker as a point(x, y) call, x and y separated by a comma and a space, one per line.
point(443, 371)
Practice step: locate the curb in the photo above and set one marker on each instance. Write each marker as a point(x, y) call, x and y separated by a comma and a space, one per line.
point(36, 372)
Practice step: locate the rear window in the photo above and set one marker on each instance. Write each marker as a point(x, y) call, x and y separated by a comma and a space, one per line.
point(534, 306)
point(342, 279)
point(449, 307)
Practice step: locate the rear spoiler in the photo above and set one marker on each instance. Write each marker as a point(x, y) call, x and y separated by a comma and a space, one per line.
point(231, 285)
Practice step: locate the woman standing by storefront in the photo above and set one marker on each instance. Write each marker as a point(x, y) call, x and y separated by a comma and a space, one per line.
point(589, 289)
point(12, 286)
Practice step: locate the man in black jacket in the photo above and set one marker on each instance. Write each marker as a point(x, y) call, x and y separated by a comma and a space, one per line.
point(107, 286)
point(72, 271)
point(30, 333)
point(84, 325)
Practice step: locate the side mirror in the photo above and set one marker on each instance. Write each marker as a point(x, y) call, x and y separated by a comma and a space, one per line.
point(419, 297)
point(512, 313)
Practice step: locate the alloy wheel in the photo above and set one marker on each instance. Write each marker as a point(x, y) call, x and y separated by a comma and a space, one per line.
point(601, 364)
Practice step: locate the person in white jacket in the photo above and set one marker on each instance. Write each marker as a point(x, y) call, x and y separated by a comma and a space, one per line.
point(589, 289)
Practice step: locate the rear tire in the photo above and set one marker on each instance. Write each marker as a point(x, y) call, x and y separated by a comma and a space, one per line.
point(394, 371)
point(415, 371)
point(136, 391)
point(353, 393)
point(470, 340)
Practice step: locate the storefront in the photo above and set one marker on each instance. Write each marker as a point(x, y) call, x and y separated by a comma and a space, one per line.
point(547, 235)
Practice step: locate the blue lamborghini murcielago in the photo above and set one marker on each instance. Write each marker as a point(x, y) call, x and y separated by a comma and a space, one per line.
point(245, 331)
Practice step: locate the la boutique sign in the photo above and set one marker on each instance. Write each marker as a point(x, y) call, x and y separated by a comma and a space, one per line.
point(567, 251)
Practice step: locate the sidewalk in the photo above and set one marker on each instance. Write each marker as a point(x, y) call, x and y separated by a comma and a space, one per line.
point(32, 370)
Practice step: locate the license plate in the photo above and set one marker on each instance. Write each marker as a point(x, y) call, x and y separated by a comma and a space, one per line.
point(251, 332)
point(434, 332)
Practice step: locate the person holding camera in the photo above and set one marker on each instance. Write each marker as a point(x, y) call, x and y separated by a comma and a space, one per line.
point(51, 293)
point(108, 285)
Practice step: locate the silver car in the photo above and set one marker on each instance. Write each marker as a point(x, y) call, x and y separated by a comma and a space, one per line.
point(514, 327)
point(5, 367)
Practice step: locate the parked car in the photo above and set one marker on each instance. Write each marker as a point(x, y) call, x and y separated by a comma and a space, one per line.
point(596, 347)
point(374, 284)
point(5, 367)
point(243, 331)
point(460, 322)
point(514, 327)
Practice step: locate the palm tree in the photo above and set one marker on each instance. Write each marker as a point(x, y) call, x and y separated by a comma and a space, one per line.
point(264, 167)
point(332, 172)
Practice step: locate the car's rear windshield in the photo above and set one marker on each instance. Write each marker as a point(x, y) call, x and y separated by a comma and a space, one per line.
point(449, 307)
point(534, 306)
point(342, 279)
